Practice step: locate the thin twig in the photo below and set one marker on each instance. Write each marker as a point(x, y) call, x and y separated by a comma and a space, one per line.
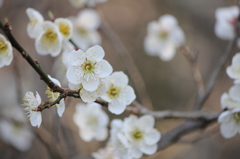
point(128, 63)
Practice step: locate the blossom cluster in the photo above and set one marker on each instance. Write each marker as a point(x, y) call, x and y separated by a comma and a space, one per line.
point(230, 119)
point(50, 37)
point(131, 138)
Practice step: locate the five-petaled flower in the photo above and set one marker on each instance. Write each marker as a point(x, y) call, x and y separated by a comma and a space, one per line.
point(231, 99)
point(32, 102)
point(88, 67)
point(119, 94)
point(233, 71)
point(6, 52)
point(163, 37)
point(92, 121)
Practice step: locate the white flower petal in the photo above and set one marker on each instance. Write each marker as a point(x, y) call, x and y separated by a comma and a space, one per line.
point(129, 94)
point(76, 57)
point(147, 121)
point(65, 27)
point(87, 135)
point(225, 117)
point(74, 74)
point(168, 51)
point(54, 80)
point(74, 86)
point(227, 130)
point(61, 108)
point(95, 53)
point(152, 137)
point(104, 69)
point(149, 149)
point(88, 18)
point(224, 30)
point(91, 84)
point(135, 153)
point(120, 79)
point(116, 109)
point(36, 119)
point(102, 134)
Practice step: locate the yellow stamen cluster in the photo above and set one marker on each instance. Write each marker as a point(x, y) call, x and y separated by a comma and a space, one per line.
point(82, 31)
point(113, 92)
point(50, 36)
point(236, 116)
point(64, 29)
point(88, 67)
point(3, 46)
point(137, 135)
point(163, 34)
point(52, 95)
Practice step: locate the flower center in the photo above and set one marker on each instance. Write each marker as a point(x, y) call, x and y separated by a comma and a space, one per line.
point(50, 36)
point(52, 95)
point(236, 117)
point(64, 29)
point(33, 22)
point(137, 135)
point(3, 46)
point(113, 92)
point(82, 31)
point(163, 34)
point(88, 67)
point(93, 120)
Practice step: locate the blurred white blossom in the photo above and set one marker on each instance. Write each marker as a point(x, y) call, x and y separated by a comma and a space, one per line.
point(50, 40)
point(230, 123)
point(6, 52)
point(226, 19)
point(16, 134)
point(89, 96)
point(85, 32)
point(34, 27)
point(32, 102)
point(105, 153)
point(163, 37)
point(81, 3)
point(119, 94)
point(54, 95)
point(233, 71)
point(231, 99)
point(65, 27)
point(92, 121)
point(88, 67)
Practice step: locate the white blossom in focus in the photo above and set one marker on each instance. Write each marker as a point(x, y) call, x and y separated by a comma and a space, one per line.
point(163, 37)
point(50, 40)
point(54, 95)
point(231, 99)
point(105, 153)
point(85, 32)
point(233, 71)
point(6, 52)
point(141, 134)
point(81, 3)
point(16, 134)
point(230, 122)
point(65, 27)
point(32, 102)
point(92, 122)
point(89, 96)
point(119, 94)
point(34, 27)
point(226, 19)
point(88, 67)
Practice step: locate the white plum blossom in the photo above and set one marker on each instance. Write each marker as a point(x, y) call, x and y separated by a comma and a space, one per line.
point(88, 67)
point(233, 71)
point(50, 40)
point(89, 96)
point(92, 122)
point(119, 94)
point(32, 102)
point(163, 37)
point(141, 135)
point(55, 95)
point(230, 123)
point(16, 134)
point(226, 19)
point(231, 99)
point(6, 52)
point(81, 3)
point(34, 27)
point(118, 141)
point(65, 27)
point(85, 32)
point(105, 153)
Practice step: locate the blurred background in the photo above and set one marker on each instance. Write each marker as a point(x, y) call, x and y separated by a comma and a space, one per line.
point(170, 85)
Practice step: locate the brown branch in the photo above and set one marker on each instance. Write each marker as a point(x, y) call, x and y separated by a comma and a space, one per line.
point(192, 58)
point(129, 64)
